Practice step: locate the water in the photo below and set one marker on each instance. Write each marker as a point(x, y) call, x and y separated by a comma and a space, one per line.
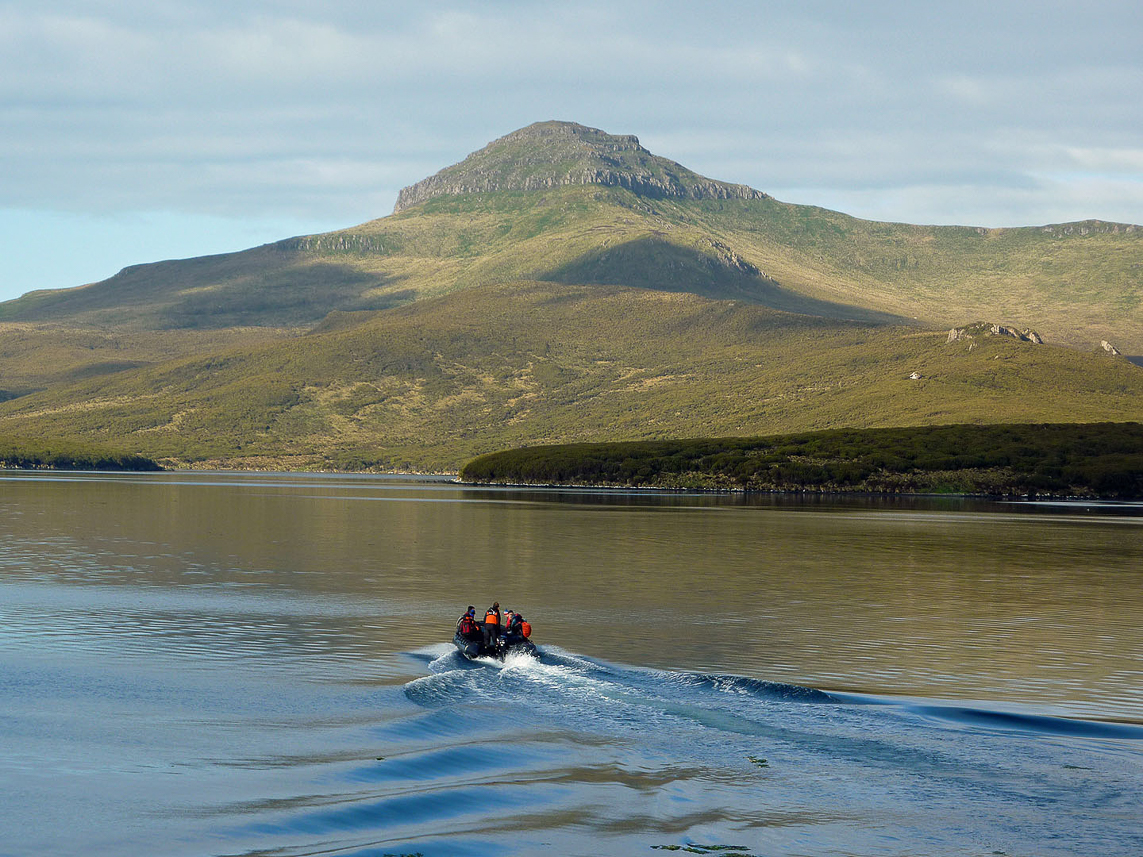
point(196, 664)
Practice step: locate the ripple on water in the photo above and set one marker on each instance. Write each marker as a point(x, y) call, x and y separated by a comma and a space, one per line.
point(205, 675)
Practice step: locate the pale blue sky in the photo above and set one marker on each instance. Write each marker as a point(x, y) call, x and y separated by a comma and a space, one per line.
point(135, 131)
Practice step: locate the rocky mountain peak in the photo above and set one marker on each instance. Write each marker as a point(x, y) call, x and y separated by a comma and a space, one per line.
point(554, 154)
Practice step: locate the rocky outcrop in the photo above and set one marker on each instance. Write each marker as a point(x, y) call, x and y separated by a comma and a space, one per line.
point(554, 154)
point(984, 328)
point(1087, 227)
point(335, 242)
point(1109, 348)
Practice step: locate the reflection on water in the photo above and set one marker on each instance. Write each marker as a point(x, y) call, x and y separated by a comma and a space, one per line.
point(943, 601)
point(205, 663)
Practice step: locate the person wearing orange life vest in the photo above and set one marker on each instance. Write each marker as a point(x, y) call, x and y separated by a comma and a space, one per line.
point(491, 625)
point(516, 628)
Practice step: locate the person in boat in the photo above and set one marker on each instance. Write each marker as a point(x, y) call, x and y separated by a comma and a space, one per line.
point(512, 627)
point(491, 625)
point(516, 629)
point(466, 625)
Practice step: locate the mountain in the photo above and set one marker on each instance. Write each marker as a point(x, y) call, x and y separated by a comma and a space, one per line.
point(481, 313)
point(560, 202)
point(558, 154)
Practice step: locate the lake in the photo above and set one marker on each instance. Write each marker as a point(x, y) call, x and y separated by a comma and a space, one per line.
point(260, 664)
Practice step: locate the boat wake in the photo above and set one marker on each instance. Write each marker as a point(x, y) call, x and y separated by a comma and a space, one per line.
point(563, 753)
point(569, 676)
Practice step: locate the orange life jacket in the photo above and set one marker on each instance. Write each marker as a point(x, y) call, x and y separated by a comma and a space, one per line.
point(467, 625)
point(526, 629)
point(492, 617)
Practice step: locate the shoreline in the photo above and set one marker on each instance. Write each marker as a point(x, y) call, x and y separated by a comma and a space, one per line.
point(1027, 461)
point(796, 492)
point(453, 477)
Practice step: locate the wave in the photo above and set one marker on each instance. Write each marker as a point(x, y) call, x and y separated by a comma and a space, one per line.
point(722, 683)
point(1032, 724)
point(577, 685)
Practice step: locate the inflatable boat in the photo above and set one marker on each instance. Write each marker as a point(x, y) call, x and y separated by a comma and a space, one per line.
point(475, 648)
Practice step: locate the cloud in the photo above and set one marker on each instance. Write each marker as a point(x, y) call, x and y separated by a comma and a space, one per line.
point(976, 112)
point(1106, 161)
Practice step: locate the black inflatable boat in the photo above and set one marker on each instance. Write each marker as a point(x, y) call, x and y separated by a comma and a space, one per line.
point(503, 647)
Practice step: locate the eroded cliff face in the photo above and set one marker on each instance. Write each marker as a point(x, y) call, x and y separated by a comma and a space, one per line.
point(554, 154)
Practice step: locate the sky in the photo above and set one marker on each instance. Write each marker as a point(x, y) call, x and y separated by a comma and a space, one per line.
point(133, 131)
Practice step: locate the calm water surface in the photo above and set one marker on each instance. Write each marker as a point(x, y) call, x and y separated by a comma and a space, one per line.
point(206, 664)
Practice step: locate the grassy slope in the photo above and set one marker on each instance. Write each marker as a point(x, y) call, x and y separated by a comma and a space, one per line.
point(36, 356)
point(272, 286)
point(432, 384)
point(149, 313)
point(1075, 283)
point(1078, 283)
point(1087, 277)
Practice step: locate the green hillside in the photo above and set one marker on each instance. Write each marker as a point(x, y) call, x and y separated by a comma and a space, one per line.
point(565, 284)
point(557, 201)
point(434, 383)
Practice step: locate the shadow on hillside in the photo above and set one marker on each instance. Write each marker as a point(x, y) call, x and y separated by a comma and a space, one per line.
point(262, 287)
point(654, 263)
point(287, 297)
point(106, 367)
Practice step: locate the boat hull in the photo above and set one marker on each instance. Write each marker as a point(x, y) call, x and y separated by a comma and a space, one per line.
point(473, 649)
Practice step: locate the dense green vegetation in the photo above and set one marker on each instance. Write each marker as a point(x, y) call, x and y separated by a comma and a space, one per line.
point(1089, 460)
point(67, 455)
